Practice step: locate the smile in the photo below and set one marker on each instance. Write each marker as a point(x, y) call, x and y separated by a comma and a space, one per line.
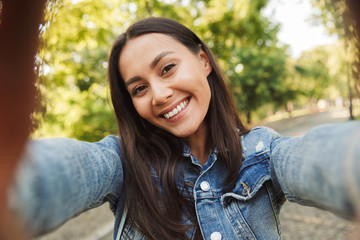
point(176, 110)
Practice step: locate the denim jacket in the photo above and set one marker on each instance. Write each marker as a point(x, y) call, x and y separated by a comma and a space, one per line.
point(61, 178)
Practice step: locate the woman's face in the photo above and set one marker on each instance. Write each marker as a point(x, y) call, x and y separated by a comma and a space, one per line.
point(167, 82)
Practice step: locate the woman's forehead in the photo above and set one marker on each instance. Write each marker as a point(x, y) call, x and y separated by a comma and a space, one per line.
point(145, 48)
point(152, 40)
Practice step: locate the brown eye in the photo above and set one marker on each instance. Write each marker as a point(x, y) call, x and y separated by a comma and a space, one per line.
point(138, 89)
point(167, 68)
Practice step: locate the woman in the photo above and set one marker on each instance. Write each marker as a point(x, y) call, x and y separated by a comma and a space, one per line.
point(184, 166)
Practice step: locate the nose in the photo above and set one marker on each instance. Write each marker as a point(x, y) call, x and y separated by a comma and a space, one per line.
point(161, 93)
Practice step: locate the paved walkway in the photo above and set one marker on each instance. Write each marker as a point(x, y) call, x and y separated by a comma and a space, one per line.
point(298, 126)
point(298, 222)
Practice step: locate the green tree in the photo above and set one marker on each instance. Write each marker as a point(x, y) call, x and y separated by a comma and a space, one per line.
point(257, 77)
point(76, 37)
point(335, 16)
point(320, 73)
point(314, 73)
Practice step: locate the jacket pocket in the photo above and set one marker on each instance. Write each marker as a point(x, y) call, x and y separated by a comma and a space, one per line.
point(251, 206)
point(254, 216)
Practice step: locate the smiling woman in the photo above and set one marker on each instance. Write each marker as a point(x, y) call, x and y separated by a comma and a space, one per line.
point(164, 82)
point(168, 77)
point(183, 165)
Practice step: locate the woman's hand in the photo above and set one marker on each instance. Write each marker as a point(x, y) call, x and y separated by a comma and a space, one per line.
point(19, 28)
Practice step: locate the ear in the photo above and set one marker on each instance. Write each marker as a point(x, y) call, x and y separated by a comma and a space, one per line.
point(205, 62)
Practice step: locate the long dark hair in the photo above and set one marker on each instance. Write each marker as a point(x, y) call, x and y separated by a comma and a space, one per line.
point(152, 157)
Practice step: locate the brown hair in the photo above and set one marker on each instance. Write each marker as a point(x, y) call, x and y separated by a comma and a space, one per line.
point(152, 157)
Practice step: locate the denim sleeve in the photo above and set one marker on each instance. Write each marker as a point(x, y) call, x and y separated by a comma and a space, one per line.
point(61, 178)
point(322, 168)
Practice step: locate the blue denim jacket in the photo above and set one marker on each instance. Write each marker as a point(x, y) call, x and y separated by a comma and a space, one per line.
point(61, 178)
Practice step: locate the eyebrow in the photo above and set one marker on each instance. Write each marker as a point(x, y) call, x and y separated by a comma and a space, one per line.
point(131, 81)
point(153, 64)
point(158, 59)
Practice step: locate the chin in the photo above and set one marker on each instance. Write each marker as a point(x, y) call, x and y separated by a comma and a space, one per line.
point(184, 130)
point(181, 134)
point(184, 133)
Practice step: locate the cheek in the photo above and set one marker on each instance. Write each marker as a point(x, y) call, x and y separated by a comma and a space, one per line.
point(208, 96)
point(205, 89)
point(142, 109)
point(194, 81)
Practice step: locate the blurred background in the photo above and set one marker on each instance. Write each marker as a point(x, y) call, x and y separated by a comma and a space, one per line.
point(281, 57)
point(284, 60)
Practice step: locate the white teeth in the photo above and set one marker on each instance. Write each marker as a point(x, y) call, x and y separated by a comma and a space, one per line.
point(176, 110)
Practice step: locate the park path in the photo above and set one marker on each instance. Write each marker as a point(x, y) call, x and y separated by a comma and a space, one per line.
point(298, 222)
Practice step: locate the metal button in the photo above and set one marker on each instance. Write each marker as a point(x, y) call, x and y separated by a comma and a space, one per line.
point(205, 186)
point(215, 236)
point(246, 189)
point(259, 147)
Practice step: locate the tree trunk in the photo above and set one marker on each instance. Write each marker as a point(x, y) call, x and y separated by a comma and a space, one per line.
point(248, 117)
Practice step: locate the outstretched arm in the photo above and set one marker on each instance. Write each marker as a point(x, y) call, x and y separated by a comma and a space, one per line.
point(61, 178)
point(322, 168)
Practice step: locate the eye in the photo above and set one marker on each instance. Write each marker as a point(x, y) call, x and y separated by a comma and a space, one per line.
point(138, 89)
point(167, 68)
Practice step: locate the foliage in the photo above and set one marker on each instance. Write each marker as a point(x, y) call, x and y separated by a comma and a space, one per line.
point(258, 76)
point(72, 67)
point(320, 73)
point(85, 115)
point(335, 16)
point(312, 67)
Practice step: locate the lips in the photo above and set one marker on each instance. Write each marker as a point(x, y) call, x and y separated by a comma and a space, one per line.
point(176, 110)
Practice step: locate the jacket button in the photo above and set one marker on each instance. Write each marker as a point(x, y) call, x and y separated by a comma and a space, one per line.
point(215, 236)
point(246, 190)
point(205, 186)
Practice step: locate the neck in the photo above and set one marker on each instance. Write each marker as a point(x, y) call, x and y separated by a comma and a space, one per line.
point(199, 143)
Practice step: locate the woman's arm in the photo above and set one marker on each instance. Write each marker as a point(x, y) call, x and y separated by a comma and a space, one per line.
point(60, 178)
point(322, 168)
